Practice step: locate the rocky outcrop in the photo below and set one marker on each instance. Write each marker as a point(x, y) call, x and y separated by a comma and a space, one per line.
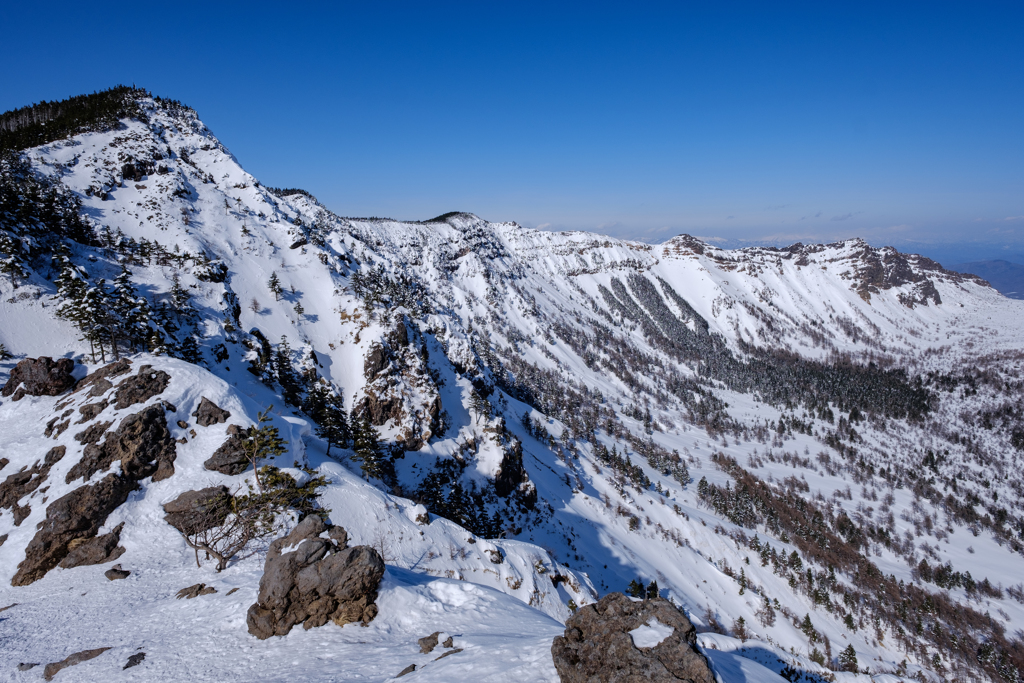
point(311, 580)
point(54, 668)
point(209, 413)
point(197, 511)
point(619, 640)
point(230, 458)
point(21, 484)
point(141, 387)
point(142, 443)
point(399, 388)
point(39, 377)
point(76, 515)
point(99, 382)
point(96, 550)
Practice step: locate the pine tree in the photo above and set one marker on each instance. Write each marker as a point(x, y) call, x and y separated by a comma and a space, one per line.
point(636, 589)
point(4, 353)
point(848, 658)
point(290, 386)
point(652, 590)
point(11, 262)
point(366, 444)
point(332, 425)
point(130, 310)
point(274, 284)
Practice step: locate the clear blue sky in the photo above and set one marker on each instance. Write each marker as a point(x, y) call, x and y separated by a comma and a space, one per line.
point(899, 122)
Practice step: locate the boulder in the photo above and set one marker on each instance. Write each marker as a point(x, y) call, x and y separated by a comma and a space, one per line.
point(134, 660)
point(53, 668)
point(39, 377)
point(195, 591)
point(308, 580)
point(619, 640)
point(115, 573)
point(196, 511)
point(141, 387)
point(142, 443)
point(76, 515)
point(209, 413)
point(230, 458)
point(96, 550)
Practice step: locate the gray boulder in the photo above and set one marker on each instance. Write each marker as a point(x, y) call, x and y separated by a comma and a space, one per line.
point(617, 640)
point(230, 458)
point(316, 581)
point(39, 377)
point(209, 413)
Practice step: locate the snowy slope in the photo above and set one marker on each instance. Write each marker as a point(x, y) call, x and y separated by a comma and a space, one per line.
point(540, 323)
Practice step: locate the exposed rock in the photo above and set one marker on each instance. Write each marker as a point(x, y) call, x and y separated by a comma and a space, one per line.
point(100, 387)
point(598, 646)
point(428, 643)
point(195, 511)
point(314, 583)
point(92, 433)
point(3, 539)
point(102, 377)
point(76, 515)
point(53, 668)
point(195, 591)
point(209, 413)
point(448, 642)
point(142, 443)
point(4, 462)
point(54, 429)
point(94, 550)
point(140, 388)
point(407, 670)
point(134, 660)
point(115, 573)
point(495, 555)
point(4, 609)
point(182, 424)
point(230, 458)
point(450, 652)
point(39, 377)
point(27, 666)
point(91, 410)
point(21, 484)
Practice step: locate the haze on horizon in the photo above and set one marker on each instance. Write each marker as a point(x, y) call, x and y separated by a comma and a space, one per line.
point(901, 125)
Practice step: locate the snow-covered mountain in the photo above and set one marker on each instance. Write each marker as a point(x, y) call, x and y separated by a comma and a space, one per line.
point(805, 448)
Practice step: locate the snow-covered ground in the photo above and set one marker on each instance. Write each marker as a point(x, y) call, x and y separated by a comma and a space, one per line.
point(480, 296)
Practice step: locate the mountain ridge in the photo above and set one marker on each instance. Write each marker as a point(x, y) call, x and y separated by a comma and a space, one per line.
point(560, 393)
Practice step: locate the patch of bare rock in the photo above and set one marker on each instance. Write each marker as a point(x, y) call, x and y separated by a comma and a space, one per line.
point(619, 640)
point(53, 668)
point(311, 580)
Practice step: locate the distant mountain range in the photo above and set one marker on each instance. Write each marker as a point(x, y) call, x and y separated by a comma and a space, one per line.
point(1006, 277)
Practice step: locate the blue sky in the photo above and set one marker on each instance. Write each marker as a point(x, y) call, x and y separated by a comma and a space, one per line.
point(897, 122)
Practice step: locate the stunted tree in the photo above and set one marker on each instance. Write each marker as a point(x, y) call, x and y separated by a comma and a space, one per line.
point(274, 285)
point(226, 526)
point(262, 441)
